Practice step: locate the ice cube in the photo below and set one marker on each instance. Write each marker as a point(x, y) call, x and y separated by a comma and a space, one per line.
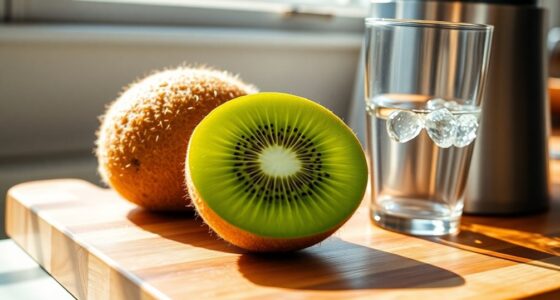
point(435, 103)
point(452, 105)
point(441, 127)
point(466, 130)
point(403, 126)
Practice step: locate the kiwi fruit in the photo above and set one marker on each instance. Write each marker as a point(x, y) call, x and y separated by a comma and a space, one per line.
point(273, 172)
point(142, 142)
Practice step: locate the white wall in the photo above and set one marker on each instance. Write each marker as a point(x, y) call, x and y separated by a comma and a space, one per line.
point(55, 80)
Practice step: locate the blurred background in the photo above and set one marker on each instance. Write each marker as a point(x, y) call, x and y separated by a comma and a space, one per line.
point(63, 61)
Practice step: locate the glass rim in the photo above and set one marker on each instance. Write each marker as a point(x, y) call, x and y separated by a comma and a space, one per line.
point(370, 22)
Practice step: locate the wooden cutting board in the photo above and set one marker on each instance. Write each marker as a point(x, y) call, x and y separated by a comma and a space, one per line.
point(99, 246)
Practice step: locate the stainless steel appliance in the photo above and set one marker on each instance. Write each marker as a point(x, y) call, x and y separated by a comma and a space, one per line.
point(509, 171)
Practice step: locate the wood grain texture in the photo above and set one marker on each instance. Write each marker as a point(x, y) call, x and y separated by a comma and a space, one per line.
point(99, 246)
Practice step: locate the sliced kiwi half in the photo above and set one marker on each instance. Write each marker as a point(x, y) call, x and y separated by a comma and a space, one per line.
point(274, 168)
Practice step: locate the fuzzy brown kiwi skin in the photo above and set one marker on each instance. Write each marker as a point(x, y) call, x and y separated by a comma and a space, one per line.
point(244, 239)
point(143, 138)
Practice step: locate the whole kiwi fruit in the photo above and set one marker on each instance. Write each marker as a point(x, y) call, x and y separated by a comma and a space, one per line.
point(273, 172)
point(143, 138)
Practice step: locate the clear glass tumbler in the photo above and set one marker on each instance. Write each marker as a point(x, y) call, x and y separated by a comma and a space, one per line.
point(424, 82)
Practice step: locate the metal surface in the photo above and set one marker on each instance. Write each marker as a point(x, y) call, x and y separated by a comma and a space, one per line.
point(509, 170)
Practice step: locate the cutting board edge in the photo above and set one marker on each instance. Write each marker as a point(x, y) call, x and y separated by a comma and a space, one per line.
point(77, 266)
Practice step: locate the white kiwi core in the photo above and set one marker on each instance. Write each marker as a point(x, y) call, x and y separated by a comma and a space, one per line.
point(277, 161)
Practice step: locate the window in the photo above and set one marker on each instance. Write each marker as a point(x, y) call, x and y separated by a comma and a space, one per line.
point(320, 15)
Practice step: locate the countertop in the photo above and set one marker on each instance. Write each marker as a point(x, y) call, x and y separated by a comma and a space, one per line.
point(21, 278)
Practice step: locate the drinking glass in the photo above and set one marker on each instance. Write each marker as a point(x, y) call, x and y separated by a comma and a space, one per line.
point(424, 82)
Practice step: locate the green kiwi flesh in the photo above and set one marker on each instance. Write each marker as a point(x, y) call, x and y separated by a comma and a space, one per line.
point(277, 165)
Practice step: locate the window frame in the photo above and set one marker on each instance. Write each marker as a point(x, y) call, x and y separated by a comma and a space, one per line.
point(198, 13)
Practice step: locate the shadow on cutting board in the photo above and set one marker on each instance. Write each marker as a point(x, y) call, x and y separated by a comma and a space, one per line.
point(331, 265)
point(533, 239)
point(182, 228)
point(518, 246)
point(339, 265)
